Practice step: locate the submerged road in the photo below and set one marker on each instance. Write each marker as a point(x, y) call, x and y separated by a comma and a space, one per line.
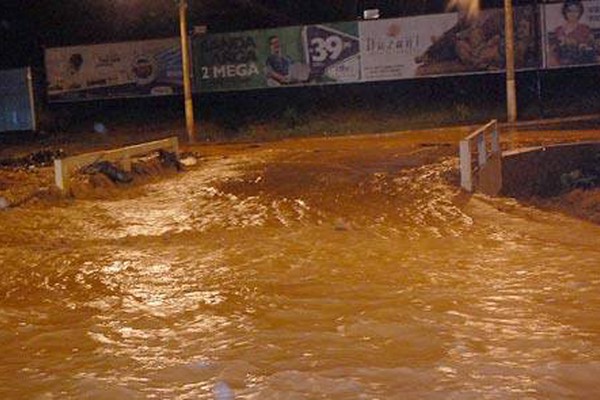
point(348, 268)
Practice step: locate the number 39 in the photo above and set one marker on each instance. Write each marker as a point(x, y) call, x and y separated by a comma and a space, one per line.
point(324, 48)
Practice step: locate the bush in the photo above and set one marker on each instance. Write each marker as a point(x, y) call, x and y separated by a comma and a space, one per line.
point(291, 118)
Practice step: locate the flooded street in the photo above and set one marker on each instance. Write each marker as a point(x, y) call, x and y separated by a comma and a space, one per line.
point(348, 268)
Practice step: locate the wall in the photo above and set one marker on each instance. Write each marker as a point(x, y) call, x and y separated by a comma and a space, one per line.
point(537, 171)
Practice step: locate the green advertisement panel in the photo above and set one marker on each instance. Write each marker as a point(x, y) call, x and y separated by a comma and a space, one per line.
point(290, 56)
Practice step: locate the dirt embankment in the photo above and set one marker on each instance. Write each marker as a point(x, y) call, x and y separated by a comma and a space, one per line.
point(580, 203)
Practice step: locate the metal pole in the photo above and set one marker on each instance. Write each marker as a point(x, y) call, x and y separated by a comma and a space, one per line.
point(511, 91)
point(32, 100)
point(187, 81)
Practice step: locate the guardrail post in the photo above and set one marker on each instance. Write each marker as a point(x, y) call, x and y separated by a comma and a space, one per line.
point(495, 140)
point(481, 150)
point(61, 174)
point(466, 165)
point(487, 173)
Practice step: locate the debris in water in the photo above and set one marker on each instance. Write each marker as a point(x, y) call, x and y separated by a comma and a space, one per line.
point(115, 173)
point(189, 161)
point(342, 225)
point(170, 159)
point(222, 391)
point(42, 158)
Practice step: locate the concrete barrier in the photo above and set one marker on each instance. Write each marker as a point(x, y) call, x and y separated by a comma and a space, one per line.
point(536, 171)
point(65, 166)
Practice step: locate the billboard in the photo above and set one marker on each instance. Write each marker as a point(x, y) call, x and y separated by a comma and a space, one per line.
point(16, 101)
point(128, 69)
point(444, 44)
point(291, 56)
point(388, 49)
point(571, 33)
point(343, 52)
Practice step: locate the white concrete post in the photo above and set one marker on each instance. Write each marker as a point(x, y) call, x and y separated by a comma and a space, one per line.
point(61, 175)
point(466, 167)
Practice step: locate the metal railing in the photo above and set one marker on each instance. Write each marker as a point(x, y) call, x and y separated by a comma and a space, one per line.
point(481, 160)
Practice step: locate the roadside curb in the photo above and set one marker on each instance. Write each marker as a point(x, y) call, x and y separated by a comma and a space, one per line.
point(549, 121)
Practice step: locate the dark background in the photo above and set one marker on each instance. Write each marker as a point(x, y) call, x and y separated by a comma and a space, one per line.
point(28, 26)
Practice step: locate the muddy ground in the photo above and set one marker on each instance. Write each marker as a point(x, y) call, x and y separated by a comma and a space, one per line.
point(27, 175)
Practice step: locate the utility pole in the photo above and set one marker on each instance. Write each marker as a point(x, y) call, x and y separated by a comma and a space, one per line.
point(511, 91)
point(187, 80)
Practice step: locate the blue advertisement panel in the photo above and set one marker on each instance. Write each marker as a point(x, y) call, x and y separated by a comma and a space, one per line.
point(571, 33)
point(16, 101)
point(129, 69)
point(291, 56)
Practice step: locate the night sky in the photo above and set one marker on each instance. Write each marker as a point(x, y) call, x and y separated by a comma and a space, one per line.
point(28, 26)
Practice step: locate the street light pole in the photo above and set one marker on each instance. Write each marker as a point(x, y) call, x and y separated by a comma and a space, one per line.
point(187, 81)
point(511, 91)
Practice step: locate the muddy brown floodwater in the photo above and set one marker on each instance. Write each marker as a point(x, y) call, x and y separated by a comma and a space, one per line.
point(347, 268)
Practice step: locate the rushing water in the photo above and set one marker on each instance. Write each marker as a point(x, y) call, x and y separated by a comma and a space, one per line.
point(299, 273)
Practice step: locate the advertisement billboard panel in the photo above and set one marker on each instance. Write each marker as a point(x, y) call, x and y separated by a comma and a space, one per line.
point(571, 33)
point(291, 56)
point(344, 52)
point(444, 44)
point(393, 48)
point(114, 70)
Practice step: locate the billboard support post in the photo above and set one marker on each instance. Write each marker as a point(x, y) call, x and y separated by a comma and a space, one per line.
point(32, 102)
point(511, 91)
point(187, 81)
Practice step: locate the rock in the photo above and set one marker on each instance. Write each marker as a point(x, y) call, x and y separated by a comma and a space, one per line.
point(4, 204)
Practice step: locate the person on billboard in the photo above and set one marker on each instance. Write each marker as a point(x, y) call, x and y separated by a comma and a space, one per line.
point(277, 64)
point(573, 41)
point(478, 46)
point(281, 69)
point(472, 44)
point(73, 70)
point(75, 63)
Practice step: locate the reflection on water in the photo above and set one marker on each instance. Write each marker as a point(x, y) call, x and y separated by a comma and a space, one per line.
point(288, 274)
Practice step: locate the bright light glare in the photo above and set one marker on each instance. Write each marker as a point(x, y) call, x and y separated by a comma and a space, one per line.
point(470, 6)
